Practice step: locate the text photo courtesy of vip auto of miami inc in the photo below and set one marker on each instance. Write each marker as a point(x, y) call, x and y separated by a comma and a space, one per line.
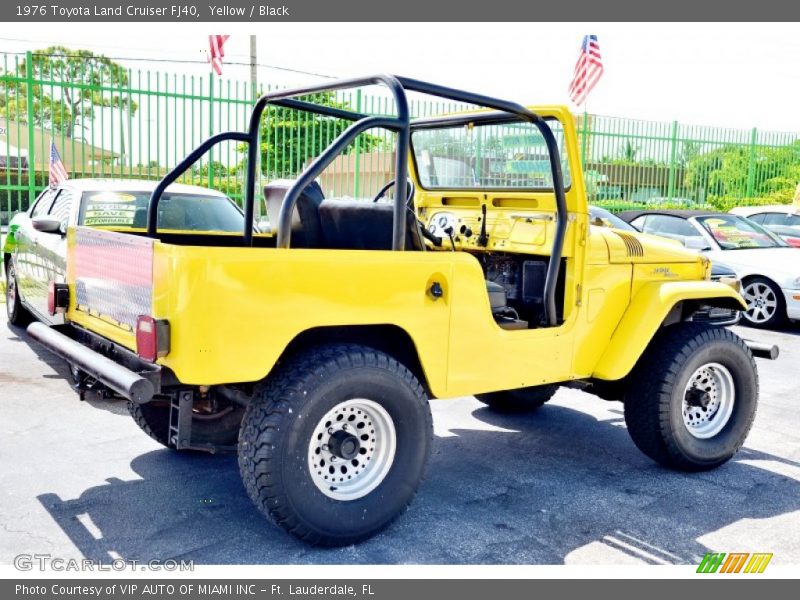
point(533, 303)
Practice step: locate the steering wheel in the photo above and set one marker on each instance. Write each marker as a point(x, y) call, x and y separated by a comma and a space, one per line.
point(434, 239)
point(411, 190)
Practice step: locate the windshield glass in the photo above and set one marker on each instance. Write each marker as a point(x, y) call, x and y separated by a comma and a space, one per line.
point(603, 218)
point(492, 156)
point(735, 233)
point(178, 212)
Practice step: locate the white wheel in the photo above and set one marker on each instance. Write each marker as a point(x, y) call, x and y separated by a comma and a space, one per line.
point(708, 400)
point(764, 305)
point(352, 449)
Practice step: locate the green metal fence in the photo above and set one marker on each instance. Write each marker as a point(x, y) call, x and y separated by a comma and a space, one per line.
point(112, 122)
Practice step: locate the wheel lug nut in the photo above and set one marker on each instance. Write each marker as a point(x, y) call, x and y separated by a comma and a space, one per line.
point(325, 447)
point(344, 427)
point(330, 430)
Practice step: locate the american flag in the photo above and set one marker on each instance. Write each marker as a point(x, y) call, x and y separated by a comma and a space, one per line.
point(216, 53)
point(58, 174)
point(588, 70)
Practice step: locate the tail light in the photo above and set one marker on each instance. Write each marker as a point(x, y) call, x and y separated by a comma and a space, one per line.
point(152, 337)
point(57, 298)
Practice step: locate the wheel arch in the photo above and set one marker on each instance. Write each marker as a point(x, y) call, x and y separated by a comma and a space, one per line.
point(655, 305)
point(391, 339)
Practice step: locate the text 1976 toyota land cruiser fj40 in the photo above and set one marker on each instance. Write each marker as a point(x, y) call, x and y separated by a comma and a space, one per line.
point(312, 351)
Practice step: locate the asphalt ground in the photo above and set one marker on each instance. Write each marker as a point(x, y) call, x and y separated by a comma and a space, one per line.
point(562, 485)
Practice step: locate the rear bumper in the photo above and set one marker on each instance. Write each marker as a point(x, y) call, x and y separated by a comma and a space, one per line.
point(117, 368)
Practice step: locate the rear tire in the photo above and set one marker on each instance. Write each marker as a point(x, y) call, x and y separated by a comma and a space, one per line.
point(518, 401)
point(766, 306)
point(17, 314)
point(221, 429)
point(297, 462)
point(692, 397)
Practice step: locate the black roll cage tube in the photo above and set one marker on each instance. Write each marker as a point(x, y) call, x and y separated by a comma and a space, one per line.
point(402, 125)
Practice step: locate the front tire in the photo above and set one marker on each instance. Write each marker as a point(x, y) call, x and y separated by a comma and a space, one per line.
point(692, 397)
point(766, 307)
point(335, 442)
point(518, 401)
point(17, 314)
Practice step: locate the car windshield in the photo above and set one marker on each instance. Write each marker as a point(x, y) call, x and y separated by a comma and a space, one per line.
point(488, 156)
point(603, 218)
point(735, 233)
point(176, 211)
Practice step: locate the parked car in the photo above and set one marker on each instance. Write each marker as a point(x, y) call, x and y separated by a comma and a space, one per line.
point(783, 220)
point(38, 236)
point(768, 267)
point(600, 217)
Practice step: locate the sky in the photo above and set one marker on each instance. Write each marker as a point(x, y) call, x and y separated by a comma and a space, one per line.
point(730, 75)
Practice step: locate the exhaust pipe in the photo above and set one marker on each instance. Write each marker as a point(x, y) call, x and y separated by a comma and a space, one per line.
point(768, 351)
point(125, 382)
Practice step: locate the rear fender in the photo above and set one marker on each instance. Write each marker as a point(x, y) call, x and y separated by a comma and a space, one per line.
point(653, 306)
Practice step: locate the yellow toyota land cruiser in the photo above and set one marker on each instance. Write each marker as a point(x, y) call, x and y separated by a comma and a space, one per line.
point(312, 350)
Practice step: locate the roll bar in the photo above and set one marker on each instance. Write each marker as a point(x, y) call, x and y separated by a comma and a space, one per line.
point(402, 125)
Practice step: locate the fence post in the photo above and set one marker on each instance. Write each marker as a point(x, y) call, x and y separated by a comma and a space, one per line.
point(585, 144)
point(751, 167)
point(31, 136)
point(357, 165)
point(211, 129)
point(673, 155)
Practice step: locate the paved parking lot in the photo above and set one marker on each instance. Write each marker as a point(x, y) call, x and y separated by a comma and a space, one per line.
point(564, 485)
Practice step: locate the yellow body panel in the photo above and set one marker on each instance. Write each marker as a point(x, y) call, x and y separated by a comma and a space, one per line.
point(648, 308)
point(233, 311)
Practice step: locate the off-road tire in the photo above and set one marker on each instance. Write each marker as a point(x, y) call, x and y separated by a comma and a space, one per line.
point(153, 419)
point(17, 314)
point(518, 401)
point(655, 394)
point(779, 317)
point(279, 424)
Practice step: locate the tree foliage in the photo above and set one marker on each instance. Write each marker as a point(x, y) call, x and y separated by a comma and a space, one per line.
point(290, 138)
point(738, 171)
point(70, 101)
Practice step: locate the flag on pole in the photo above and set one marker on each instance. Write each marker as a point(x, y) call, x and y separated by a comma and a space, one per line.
point(216, 53)
point(588, 70)
point(58, 174)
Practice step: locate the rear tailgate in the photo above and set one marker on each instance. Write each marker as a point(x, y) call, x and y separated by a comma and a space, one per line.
point(110, 276)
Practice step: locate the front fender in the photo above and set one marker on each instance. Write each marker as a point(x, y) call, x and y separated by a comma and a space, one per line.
point(646, 313)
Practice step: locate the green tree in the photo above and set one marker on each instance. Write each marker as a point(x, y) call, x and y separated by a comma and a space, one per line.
point(733, 171)
point(77, 76)
point(289, 138)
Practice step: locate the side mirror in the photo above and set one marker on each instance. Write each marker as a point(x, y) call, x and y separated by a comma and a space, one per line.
point(46, 224)
point(696, 243)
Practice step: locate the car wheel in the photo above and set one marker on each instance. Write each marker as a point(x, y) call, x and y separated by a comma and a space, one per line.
point(765, 304)
point(692, 397)
point(334, 444)
point(17, 314)
point(518, 401)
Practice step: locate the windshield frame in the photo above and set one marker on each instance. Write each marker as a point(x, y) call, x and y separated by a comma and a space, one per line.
point(480, 120)
point(778, 241)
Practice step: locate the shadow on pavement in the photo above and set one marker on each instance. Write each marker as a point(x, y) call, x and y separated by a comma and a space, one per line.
point(531, 491)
